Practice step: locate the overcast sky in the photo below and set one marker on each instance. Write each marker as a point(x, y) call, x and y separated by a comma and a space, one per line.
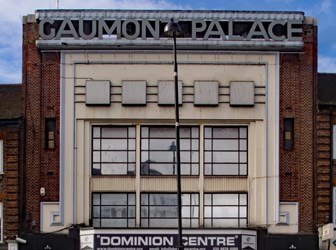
point(11, 12)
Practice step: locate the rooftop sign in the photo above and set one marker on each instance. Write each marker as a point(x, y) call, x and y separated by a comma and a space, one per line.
point(149, 28)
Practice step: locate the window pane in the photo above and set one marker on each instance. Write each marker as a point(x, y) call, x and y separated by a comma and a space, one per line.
point(113, 210)
point(223, 149)
point(159, 148)
point(225, 199)
point(113, 146)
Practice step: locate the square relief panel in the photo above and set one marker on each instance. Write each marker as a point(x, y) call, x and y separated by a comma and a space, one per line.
point(97, 92)
point(242, 93)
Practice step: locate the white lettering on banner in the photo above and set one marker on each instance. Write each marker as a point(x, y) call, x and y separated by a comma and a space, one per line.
point(166, 241)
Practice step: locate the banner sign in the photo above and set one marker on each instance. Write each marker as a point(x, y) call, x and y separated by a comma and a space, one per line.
point(195, 29)
point(158, 240)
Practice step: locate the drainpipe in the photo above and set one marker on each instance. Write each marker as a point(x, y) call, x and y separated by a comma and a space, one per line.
point(331, 166)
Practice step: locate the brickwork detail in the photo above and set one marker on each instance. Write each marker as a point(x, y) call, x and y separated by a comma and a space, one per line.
point(41, 74)
point(9, 182)
point(298, 84)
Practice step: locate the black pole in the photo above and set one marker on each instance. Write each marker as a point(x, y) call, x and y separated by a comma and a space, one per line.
point(178, 160)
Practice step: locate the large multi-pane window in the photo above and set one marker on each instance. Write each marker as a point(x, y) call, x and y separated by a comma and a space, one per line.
point(158, 150)
point(113, 150)
point(160, 210)
point(225, 150)
point(111, 210)
point(225, 210)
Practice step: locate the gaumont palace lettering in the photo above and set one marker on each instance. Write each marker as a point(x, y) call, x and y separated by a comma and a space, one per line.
point(277, 30)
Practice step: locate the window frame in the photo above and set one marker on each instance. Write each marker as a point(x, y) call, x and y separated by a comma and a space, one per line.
point(100, 206)
point(190, 151)
point(129, 169)
point(217, 218)
point(240, 163)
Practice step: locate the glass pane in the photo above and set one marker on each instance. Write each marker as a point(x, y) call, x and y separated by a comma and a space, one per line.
point(114, 223)
point(243, 212)
point(114, 144)
point(96, 199)
point(243, 169)
point(185, 199)
point(162, 144)
point(186, 222)
point(114, 156)
point(225, 132)
point(194, 212)
point(113, 169)
point(131, 144)
point(225, 156)
point(243, 144)
point(243, 223)
point(195, 132)
point(185, 132)
point(207, 199)
point(225, 199)
point(194, 199)
point(185, 144)
point(243, 156)
point(225, 212)
point(96, 211)
point(131, 156)
point(144, 212)
point(207, 222)
point(225, 169)
point(243, 132)
point(225, 145)
point(207, 132)
point(163, 212)
point(144, 199)
point(131, 199)
point(96, 144)
point(131, 222)
point(144, 223)
point(162, 132)
point(163, 223)
point(195, 144)
point(96, 222)
point(96, 132)
point(144, 132)
point(207, 212)
point(161, 156)
point(194, 169)
point(163, 199)
point(225, 223)
point(144, 144)
point(207, 169)
point(194, 222)
point(131, 132)
point(114, 132)
point(113, 199)
point(207, 157)
point(96, 156)
point(131, 212)
point(185, 169)
point(207, 144)
point(243, 199)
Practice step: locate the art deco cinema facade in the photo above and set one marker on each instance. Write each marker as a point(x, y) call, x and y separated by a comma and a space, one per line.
point(99, 114)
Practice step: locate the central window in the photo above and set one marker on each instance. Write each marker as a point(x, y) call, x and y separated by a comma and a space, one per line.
point(158, 150)
point(224, 150)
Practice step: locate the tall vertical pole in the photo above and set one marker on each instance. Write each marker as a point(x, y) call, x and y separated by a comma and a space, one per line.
point(178, 160)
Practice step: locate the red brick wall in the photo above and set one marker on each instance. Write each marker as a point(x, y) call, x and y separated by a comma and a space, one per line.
point(298, 84)
point(9, 181)
point(41, 89)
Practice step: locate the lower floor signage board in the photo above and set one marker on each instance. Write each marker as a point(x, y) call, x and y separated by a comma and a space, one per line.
point(97, 239)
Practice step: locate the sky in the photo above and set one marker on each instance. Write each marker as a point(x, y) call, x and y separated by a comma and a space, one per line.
point(12, 11)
